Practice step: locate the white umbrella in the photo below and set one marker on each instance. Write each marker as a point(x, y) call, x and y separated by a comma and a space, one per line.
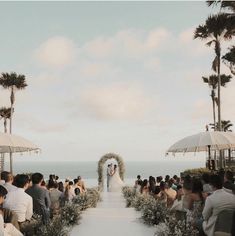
point(204, 141)
point(14, 143)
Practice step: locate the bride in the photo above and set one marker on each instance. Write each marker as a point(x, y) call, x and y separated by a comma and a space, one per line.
point(115, 184)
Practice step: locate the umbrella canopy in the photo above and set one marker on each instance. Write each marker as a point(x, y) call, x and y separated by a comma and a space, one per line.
point(204, 141)
point(13, 143)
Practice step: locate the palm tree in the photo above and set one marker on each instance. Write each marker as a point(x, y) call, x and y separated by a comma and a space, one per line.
point(5, 113)
point(212, 82)
point(215, 29)
point(229, 59)
point(226, 125)
point(230, 5)
point(13, 82)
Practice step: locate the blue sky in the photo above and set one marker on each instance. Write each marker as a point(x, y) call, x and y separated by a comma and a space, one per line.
point(120, 77)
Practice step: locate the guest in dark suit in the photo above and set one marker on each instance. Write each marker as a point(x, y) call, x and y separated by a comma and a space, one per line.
point(41, 199)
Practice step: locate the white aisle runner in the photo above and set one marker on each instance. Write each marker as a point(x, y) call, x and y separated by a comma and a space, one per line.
point(111, 218)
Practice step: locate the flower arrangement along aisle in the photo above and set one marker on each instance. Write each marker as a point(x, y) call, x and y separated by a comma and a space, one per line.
point(157, 214)
point(70, 214)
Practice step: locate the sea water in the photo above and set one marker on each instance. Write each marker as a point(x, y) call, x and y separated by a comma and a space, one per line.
point(88, 170)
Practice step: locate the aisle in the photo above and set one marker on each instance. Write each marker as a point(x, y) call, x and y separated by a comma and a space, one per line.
point(111, 218)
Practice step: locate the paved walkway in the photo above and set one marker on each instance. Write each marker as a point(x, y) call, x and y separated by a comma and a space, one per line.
point(111, 218)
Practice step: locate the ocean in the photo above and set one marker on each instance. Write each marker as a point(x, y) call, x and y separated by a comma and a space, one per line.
point(88, 170)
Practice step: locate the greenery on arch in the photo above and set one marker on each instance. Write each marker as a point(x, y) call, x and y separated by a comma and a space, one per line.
point(101, 163)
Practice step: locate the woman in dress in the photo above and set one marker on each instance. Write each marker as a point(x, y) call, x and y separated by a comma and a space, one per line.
point(115, 184)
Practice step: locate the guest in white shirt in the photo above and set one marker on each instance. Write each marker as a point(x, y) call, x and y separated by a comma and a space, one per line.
point(6, 229)
point(8, 182)
point(218, 201)
point(20, 202)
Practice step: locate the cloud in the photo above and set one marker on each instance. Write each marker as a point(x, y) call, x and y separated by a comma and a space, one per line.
point(56, 52)
point(121, 101)
point(152, 64)
point(129, 43)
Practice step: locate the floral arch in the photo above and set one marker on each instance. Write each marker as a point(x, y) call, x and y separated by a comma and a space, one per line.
point(101, 163)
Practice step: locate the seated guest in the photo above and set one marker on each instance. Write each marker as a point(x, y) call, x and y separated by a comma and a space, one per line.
point(196, 201)
point(77, 188)
point(170, 193)
point(41, 199)
point(138, 181)
point(8, 182)
point(21, 204)
point(218, 201)
point(229, 181)
point(6, 229)
point(152, 184)
point(61, 186)
point(144, 188)
point(55, 197)
point(206, 186)
point(81, 184)
point(158, 180)
point(178, 203)
point(167, 178)
point(187, 190)
point(69, 193)
point(162, 197)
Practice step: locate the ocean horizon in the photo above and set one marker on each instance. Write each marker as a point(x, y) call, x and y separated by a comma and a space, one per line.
point(88, 169)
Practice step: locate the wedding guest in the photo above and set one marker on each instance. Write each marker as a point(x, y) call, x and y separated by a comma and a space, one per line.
point(57, 178)
point(21, 204)
point(229, 181)
point(41, 199)
point(55, 197)
point(8, 182)
point(81, 184)
point(178, 203)
point(61, 186)
point(77, 188)
point(158, 180)
point(167, 178)
point(43, 185)
point(6, 229)
point(4, 176)
point(196, 201)
point(69, 193)
point(170, 193)
point(138, 182)
point(218, 201)
point(206, 186)
point(152, 184)
point(144, 188)
point(187, 190)
point(162, 195)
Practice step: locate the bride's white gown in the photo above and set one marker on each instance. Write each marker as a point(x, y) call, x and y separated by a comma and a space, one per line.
point(115, 183)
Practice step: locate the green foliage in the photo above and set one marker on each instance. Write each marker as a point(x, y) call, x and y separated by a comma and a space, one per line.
point(196, 171)
point(174, 227)
point(70, 214)
point(129, 194)
point(88, 199)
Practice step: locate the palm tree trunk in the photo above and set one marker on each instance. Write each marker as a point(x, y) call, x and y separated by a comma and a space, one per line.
point(12, 98)
point(213, 103)
point(221, 157)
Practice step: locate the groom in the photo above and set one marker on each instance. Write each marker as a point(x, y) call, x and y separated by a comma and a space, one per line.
point(109, 174)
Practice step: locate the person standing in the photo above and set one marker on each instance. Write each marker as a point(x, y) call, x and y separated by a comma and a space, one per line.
point(41, 198)
point(109, 174)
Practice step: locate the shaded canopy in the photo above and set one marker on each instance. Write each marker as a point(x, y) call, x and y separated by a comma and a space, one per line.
point(14, 143)
point(202, 141)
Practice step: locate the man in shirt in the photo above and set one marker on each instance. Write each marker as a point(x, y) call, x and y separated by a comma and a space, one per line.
point(21, 203)
point(8, 182)
point(41, 199)
point(218, 201)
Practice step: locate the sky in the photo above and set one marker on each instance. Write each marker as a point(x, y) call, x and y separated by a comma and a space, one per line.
point(122, 77)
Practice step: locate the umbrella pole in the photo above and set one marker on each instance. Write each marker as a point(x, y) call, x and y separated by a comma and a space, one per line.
point(11, 167)
point(209, 157)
